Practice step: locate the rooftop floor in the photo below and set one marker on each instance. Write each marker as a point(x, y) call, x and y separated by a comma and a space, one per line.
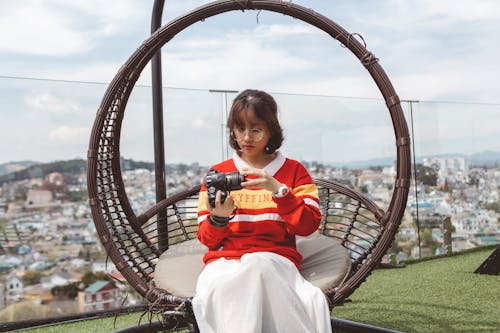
point(439, 295)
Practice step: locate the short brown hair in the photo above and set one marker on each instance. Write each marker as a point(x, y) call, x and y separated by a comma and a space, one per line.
point(265, 108)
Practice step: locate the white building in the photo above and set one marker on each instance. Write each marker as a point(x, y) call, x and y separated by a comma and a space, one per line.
point(103, 266)
point(57, 279)
point(14, 287)
point(449, 169)
point(2, 296)
point(38, 197)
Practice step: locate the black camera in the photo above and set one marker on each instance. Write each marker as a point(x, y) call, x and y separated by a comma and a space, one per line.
point(220, 181)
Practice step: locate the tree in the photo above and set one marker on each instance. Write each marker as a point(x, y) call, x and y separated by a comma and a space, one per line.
point(426, 175)
point(448, 229)
point(494, 206)
point(89, 278)
point(427, 240)
point(77, 196)
point(69, 291)
point(3, 222)
point(31, 277)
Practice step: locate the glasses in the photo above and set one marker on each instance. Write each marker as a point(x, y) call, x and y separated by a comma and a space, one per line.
point(254, 134)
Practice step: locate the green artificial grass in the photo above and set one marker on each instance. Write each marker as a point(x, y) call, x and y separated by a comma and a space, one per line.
point(442, 295)
point(101, 325)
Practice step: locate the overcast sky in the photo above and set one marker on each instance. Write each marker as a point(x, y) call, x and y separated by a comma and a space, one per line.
point(433, 51)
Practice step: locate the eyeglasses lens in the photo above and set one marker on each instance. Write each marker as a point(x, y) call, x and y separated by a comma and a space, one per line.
point(254, 134)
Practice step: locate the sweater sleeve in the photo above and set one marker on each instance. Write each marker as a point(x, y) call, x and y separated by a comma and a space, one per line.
point(300, 207)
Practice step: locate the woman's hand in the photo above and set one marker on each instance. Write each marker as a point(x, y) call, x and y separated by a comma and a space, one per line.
point(261, 180)
point(224, 209)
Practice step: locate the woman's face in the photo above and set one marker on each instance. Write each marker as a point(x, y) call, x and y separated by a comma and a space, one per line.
point(252, 134)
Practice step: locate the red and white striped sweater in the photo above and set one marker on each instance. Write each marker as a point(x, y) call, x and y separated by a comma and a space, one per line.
point(262, 222)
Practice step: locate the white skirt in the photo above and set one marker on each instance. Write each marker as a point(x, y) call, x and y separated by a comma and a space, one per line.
point(261, 292)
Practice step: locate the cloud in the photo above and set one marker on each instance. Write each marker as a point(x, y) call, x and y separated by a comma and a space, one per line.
point(430, 50)
point(276, 31)
point(63, 28)
point(48, 103)
point(237, 59)
point(105, 19)
point(469, 10)
point(69, 135)
point(432, 41)
point(435, 49)
point(38, 31)
point(98, 72)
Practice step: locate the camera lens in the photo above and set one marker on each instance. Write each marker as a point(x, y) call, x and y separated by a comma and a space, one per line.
point(233, 181)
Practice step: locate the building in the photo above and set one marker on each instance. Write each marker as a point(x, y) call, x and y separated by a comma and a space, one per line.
point(103, 266)
point(99, 296)
point(15, 288)
point(450, 170)
point(55, 178)
point(2, 296)
point(61, 278)
point(3, 208)
point(38, 197)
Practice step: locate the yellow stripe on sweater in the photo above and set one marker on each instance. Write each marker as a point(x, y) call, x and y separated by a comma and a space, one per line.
point(245, 198)
point(253, 199)
point(307, 189)
point(259, 199)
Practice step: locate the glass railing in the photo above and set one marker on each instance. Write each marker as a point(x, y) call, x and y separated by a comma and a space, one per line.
point(47, 238)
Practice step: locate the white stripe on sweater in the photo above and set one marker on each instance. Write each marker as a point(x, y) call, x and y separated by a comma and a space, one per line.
point(311, 202)
point(260, 217)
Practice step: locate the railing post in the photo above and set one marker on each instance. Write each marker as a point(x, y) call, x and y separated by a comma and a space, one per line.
point(410, 103)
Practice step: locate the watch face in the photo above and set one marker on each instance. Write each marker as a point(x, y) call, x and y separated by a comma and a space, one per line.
point(282, 191)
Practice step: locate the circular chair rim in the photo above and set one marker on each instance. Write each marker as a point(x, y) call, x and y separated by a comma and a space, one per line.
point(104, 143)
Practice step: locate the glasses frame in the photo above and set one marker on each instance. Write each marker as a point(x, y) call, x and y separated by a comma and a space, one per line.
point(255, 137)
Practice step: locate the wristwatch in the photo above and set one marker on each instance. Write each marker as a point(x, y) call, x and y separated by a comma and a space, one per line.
point(282, 191)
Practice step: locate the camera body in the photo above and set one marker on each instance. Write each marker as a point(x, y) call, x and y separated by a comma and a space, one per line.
point(224, 182)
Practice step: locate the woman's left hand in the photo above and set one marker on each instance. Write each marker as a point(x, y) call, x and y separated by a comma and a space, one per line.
point(262, 179)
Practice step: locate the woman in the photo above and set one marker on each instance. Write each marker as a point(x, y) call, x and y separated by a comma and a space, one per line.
point(251, 280)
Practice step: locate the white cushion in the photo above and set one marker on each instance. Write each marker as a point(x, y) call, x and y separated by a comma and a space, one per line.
point(178, 268)
point(325, 264)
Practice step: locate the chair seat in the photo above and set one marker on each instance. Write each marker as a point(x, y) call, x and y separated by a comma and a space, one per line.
point(325, 264)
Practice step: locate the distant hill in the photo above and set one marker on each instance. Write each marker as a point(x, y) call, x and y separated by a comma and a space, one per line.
point(485, 158)
point(75, 166)
point(10, 167)
point(16, 171)
point(373, 162)
point(41, 170)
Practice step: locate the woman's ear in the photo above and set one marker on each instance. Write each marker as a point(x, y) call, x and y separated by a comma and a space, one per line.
point(269, 149)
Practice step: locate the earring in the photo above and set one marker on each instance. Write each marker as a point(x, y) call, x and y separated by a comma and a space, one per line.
point(267, 149)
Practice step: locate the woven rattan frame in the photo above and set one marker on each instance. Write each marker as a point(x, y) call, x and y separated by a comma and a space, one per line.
point(131, 241)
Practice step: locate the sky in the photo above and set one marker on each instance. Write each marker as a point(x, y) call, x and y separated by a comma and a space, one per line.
point(57, 57)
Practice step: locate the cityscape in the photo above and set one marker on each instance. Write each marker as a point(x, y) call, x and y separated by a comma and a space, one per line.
point(438, 275)
point(52, 260)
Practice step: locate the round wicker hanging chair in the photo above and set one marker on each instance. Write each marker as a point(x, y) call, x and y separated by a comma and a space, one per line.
point(132, 240)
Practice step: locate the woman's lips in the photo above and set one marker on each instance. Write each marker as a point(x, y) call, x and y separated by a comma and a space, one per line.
point(248, 146)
